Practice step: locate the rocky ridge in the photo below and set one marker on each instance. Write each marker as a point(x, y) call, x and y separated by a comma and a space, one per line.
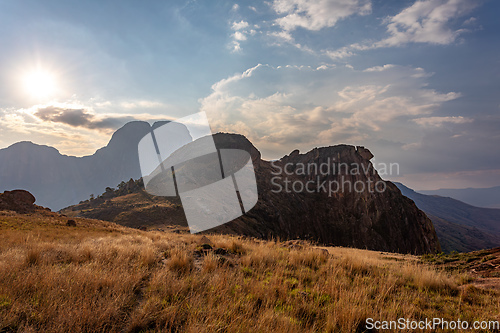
point(385, 221)
point(363, 218)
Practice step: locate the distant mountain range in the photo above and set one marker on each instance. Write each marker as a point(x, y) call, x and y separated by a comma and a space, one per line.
point(479, 197)
point(459, 226)
point(58, 181)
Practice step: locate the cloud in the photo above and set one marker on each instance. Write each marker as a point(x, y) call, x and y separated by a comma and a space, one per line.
point(80, 118)
point(235, 46)
point(239, 25)
point(455, 179)
point(379, 68)
point(282, 35)
point(238, 35)
point(142, 104)
point(461, 145)
point(241, 30)
point(22, 125)
point(72, 128)
point(428, 21)
point(312, 15)
point(317, 14)
point(285, 107)
point(434, 22)
point(470, 21)
point(440, 121)
point(390, 109)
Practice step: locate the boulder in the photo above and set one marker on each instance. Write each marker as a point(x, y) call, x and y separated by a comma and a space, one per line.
point(20, 201)
point(71, 223)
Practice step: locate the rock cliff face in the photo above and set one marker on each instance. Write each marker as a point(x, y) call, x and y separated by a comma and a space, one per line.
point(331, 195)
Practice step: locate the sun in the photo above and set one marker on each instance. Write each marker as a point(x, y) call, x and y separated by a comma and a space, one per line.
point(39, 84)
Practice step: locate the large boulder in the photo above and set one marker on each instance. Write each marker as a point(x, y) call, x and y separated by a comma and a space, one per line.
point(20, 201)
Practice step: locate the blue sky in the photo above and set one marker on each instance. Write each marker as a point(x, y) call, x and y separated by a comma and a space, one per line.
point(417, 82)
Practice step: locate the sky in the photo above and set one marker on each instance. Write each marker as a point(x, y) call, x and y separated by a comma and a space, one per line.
point(416, 82)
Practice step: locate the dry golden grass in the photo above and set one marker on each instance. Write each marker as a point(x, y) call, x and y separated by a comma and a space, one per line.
point(99, 277)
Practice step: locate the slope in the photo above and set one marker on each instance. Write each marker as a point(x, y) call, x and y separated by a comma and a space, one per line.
point(460, 227)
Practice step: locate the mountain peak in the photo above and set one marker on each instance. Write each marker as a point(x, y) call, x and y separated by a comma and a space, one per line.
point(28, 146)
point(130, 132)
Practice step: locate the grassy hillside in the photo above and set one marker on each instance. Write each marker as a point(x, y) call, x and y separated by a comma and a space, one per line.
point(98, 276)
point(133, 210)
point(131, 206)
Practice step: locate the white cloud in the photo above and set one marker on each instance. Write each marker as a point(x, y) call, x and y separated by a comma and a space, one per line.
point(312, 15)
point(239, 25)
point(287, 107)
point(317, 14)
point(219, 86)
point(142, 104)
point(379, 68)
point(283, 35)
point(440, 121)
point(341, 53)
point(235, 46)
point(239, 36)
point(427, 21)
point(347, 51)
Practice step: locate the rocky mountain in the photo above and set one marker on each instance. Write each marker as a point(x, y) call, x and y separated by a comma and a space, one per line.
point(58, 181)
point(459, 226)
point(364, 216)
point(479, 197)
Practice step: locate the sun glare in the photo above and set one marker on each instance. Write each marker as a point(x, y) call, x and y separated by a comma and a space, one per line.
point(39, 84)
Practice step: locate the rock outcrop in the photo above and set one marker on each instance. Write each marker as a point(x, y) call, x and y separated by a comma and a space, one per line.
point(20, 201)
point(331, 195)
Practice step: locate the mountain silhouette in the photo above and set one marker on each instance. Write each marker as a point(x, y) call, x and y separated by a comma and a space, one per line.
point(58, 181)
point(479, 197)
